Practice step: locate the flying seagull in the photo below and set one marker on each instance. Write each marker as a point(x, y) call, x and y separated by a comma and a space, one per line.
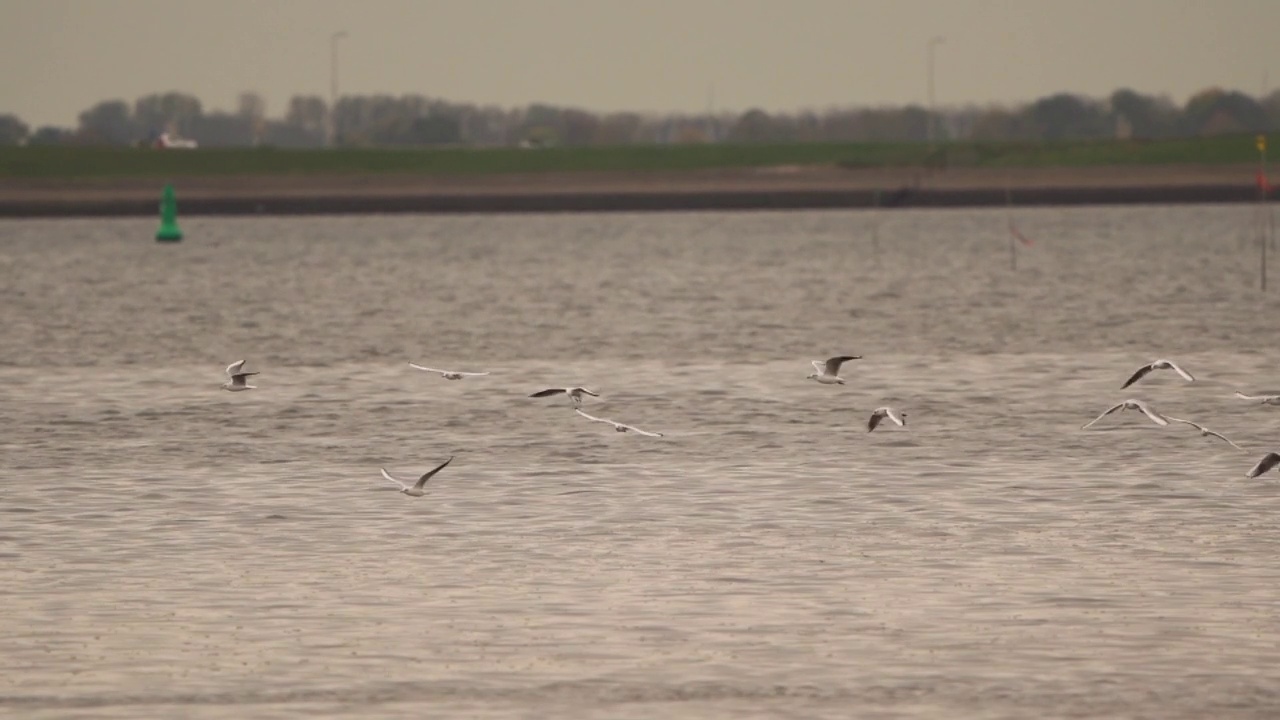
point(575, 394)
point(1267, 462)
point(237, 381)
point(619, 426)
point(881, 414)
point(1204, 431)
point(1131, 405)
point(1264, 399)
point(449, 374)
point(414, 490)
point(828, 372)
point(1157, 365)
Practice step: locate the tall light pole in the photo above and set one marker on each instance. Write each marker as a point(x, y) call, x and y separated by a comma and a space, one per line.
point(333, 82)
point(933, 42)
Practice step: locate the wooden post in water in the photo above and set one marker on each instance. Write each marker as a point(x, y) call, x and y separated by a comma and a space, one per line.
point(1268, 213)
point(875, 229)
point(1264, 224)
point(1271, 226)
point(1013, 245)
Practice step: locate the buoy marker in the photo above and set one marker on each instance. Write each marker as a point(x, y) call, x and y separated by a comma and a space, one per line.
point(169, 230)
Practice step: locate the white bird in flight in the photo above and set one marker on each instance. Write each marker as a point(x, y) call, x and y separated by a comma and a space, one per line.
point(1267, 462)
point(1157, 365)
point(1204, 431)
point(414, 490)
point(1131, 405)
point(829, 371)
point(237, 381)
point(575, 394)
point(620, 427)
point(882, 413)
point(449, 374)
point(1264, 399)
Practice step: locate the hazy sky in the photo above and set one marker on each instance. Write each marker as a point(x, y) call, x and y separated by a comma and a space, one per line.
point(61, 56)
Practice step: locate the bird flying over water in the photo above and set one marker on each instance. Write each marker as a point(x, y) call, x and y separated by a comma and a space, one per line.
point(882, 413)
point(620, 427)
point(449, 374)
point(1131, 404)
point(414, 490)
point(575, 394)
point(1156, 365)
point(1204, 431)
point(237, 383)
point(1267, 462)
point(829, 371)
point(1264, 399)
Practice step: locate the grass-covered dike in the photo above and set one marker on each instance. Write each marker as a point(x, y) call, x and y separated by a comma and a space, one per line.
point(59, 162)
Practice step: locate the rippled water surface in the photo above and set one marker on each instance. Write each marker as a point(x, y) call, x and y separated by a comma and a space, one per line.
point(169, 549)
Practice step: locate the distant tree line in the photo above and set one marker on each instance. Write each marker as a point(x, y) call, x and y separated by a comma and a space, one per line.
point(415, 120)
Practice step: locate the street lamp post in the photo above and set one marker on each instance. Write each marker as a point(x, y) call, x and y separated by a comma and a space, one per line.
point(333, 81)
point(933, 42)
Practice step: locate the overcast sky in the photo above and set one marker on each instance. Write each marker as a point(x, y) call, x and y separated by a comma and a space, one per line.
point(61, 56)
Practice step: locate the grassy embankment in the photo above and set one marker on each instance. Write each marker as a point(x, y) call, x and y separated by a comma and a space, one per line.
point(90, 162)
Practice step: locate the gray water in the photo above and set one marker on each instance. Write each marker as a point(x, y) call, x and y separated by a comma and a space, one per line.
point(169, 549)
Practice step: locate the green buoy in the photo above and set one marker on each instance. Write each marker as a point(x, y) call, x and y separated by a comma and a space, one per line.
point(169, 230)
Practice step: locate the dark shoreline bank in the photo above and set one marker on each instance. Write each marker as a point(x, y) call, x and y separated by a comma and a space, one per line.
point(771, 188)
point(583, 200)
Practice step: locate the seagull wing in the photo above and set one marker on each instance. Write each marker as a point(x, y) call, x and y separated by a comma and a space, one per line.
point(595, 419)
point(638, 431)
point(392, 478)
point(1204, 430)
point(1242, 396)
point(833, 364)
point(1223, 437)
point(240, 376)
point(234, 367)
point(548, 392)
point(1109, 410)
point(473, 374)
point(895, 418)
point(874, 421)
point(1156, 417)
point(427, 369)
point(819, 366)
point(588, 392)
point(427, 476)
point(1267, 462)
point(1141, 373)
point(1185, 375)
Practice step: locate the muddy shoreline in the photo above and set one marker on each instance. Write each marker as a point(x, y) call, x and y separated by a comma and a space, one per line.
point(729, 189)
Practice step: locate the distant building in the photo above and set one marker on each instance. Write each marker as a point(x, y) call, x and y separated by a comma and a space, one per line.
point(165, 141)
